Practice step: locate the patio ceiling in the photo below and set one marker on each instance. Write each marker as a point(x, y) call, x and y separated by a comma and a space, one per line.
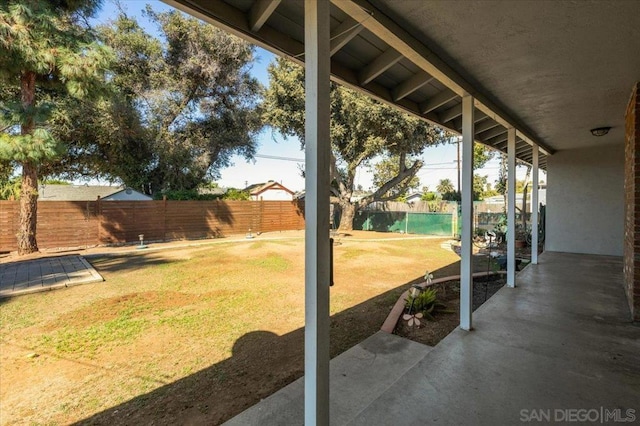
point(552, 70)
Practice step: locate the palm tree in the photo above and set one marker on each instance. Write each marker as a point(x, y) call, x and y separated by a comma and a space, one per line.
point(445, 186)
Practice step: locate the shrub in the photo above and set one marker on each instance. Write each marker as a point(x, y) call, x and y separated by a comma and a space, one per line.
point(426, 302)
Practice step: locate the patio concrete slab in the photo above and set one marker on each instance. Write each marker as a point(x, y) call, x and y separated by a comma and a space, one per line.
point(560, 342)
point(44, 274)
point(358, 377)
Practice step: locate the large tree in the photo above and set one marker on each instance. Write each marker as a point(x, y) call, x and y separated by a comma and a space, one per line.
point(182, 104)
point(48, 53)
point(361, 130)
point(196, 103)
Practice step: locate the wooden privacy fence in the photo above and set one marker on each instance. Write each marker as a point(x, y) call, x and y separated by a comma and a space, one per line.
point(88, 223)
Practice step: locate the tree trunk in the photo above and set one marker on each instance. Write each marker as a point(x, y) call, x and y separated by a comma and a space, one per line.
point(346, 219)
point(28, 209)
point(29, 189)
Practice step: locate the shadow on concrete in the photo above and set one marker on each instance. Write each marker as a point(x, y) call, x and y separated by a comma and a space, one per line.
point(261, 363)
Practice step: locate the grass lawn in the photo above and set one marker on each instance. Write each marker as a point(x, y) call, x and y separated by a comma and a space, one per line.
point(191, 335)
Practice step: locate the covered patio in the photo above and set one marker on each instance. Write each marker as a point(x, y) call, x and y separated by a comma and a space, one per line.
point(558, 344)
point(551, 84)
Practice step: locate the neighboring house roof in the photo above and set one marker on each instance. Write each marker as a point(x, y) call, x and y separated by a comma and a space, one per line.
point(414, 196)
point(74, 192)
point(259, 188)
point(87, 193)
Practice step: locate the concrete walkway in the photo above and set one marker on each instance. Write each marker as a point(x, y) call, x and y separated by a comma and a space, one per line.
point(29, 276)
point(558, 343)
point(358, 377)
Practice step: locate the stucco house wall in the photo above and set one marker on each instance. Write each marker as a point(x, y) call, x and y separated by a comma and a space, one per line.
point(128, 195)
point(585, 200)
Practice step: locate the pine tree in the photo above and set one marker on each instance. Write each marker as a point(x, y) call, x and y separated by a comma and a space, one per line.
point(47, 51)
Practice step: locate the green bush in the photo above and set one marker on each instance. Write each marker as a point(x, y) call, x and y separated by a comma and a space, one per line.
point(237, 194)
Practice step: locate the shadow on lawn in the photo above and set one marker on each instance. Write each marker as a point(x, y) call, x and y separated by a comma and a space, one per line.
point(119, 262)
point(262, 362)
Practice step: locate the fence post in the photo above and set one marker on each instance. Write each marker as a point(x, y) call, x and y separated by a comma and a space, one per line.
point(164, 218)
point(261, 216)
point(99, 217)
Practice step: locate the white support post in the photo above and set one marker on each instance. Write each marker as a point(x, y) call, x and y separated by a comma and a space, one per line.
point(466, 259)
point(535, 231)
point(511, 207)
point(317, 157)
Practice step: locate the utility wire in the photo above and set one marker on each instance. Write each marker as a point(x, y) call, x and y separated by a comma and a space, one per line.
point(275, 157)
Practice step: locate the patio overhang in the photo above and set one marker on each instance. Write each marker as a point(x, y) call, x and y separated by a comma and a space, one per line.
point(378, 48)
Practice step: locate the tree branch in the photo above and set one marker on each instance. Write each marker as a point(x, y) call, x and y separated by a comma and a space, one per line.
point(403, 175)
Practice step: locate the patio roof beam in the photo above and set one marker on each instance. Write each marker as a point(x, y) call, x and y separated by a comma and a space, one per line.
point(486, 125)
point(466, 249)
point(492, 133)
point(451, 113)
point(260, 12)
point(499, 142)
point(414, 50)
point(511, 207)
point(317, 183)
point(379, 65)
point(437, 101)
point(456, 123)
point(343, 34)
point(523, 148)
point(410, 85)
point(478, 116)
point(349, 78)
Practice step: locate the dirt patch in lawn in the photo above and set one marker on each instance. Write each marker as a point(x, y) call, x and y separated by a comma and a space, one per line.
point(113, 307)
point(447, 318)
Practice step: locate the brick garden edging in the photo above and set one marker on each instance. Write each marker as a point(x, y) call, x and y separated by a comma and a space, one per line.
point(397, 310)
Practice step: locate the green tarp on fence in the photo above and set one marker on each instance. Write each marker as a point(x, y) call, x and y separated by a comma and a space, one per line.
point(411, 223)
point(430, 223)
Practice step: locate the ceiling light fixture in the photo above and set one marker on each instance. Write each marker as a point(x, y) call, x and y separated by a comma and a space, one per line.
point(600, 131)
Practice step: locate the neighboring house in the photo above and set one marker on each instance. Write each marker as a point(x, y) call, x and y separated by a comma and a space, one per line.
point(89, 193)
point(127, 194)
point(270, 191)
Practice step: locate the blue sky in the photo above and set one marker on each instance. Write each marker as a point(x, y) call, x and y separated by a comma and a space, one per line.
point(440, 162)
